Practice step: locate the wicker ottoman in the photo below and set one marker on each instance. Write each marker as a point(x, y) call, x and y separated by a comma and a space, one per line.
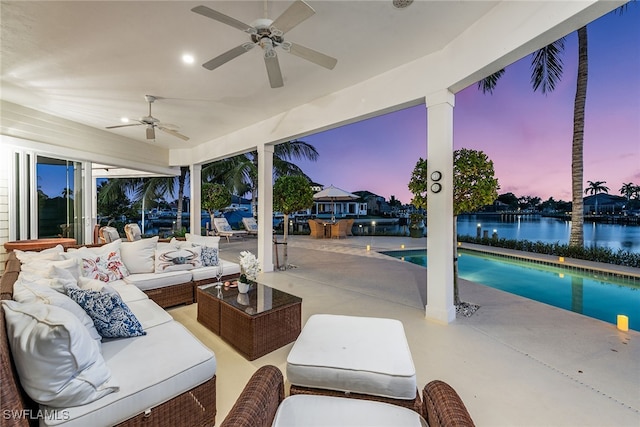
point(360, 357)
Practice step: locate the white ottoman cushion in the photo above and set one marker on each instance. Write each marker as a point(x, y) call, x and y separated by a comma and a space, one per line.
point(353, 354)
point(321, 411)
point(149, 281)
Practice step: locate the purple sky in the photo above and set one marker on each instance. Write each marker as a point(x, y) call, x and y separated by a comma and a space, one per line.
point(527, 135)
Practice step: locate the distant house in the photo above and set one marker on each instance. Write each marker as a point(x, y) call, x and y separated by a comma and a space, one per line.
point(603, 203)
point(375, 205)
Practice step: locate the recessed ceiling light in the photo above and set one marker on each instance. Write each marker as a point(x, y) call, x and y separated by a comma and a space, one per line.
point(187, 58)
point(124, 119)
point(401, 4)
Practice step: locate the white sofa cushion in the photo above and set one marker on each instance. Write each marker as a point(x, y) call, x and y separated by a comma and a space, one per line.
point(149, 314)
point(151, 370)
point(353, 354)
point(148, 281)
point(58, 362)
point(320, 411)
point(26, 290)
point(139, 256)
point(203, 273)
point(176, 259)
point(127, 291)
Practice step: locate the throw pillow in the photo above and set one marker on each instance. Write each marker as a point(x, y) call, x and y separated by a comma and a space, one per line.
point(51, 254)
point(27, 290)
point(209, 256)
point(111, 316)
point(95, 285)
point(102, 263)
point(58, 362)
point(210, 241)
point(173, 259)
point(138, 256)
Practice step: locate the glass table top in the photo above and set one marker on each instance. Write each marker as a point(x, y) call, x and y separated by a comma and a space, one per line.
point(260, 298)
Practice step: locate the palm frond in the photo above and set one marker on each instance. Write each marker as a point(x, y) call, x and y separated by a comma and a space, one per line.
point(488, 84)
point(546, 66)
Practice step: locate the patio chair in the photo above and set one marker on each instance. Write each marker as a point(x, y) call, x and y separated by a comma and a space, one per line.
point(108, 234)
point(133, 232)
point(250, 225)
point(223, 229)
point(317, 229)
point(350, 222)
point(339, 229)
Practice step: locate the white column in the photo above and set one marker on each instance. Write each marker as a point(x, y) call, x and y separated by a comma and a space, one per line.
point(195, 203)
point(89, 201)
point(265, 207)
point(440, 306)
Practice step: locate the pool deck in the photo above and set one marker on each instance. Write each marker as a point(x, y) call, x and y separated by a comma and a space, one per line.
point(514, 362)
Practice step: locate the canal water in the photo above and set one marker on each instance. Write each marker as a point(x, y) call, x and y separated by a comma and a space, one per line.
point(552, 230)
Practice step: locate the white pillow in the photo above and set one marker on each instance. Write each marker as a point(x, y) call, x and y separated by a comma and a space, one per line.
point(173, 259)
point(53, 254)
point(30, 291)
point(58, 362)
point(139, 256)
point(209, 241)
point(103, 262)
point(95, 285)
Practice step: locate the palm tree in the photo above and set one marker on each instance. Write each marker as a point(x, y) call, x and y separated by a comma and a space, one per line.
point(546, 65)
point(596, 187)
point(627, 190)
point(240, 173)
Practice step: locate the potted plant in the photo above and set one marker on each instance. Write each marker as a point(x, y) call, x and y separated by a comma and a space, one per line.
point(249, 268)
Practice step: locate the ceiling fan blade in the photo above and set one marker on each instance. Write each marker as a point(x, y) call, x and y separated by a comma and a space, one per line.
point(228, 56)
point(295, 14)
point(311, 55)
point(273, 70)
point(221, 17)
point(123, 126)
point(151, 133)
point(174, 133)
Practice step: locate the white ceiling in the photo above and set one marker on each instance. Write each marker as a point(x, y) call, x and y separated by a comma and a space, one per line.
point(92, 62)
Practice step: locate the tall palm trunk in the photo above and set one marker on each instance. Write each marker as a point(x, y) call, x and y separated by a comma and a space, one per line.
point(576, 237)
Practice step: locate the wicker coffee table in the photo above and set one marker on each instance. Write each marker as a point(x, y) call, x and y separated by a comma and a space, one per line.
point(255, 323)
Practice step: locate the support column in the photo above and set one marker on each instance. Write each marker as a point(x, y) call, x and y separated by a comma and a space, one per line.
point(265, 207)
point(195, 202)
point(440, 228)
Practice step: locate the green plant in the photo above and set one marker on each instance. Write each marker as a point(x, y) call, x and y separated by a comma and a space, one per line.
point(215, 197)
point(291, 193)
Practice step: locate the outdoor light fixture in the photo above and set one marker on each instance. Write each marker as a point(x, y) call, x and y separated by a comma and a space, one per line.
point(436, 176)
point(561, 259)
point(623, 322)
point(436, 188)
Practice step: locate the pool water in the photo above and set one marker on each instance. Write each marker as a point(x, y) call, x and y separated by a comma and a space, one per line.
point(579, 292)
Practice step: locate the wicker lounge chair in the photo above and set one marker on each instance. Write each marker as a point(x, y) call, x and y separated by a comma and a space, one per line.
point(339, 229)
point(258, 403)
point(108, 234)
point(317, 229)
point(223, 229)
point(133, 232)
point(250, 225)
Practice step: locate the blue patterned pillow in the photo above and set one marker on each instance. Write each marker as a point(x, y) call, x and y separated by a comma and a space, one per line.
point(209, 256)
point(111, 316)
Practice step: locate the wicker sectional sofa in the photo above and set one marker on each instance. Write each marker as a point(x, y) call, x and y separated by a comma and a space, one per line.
point(164, 377)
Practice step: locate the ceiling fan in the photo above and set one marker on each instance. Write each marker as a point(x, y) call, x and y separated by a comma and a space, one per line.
point(152, 123)
point(269, 35)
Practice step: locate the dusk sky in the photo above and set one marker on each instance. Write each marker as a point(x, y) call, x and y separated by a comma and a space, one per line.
point(527, 134)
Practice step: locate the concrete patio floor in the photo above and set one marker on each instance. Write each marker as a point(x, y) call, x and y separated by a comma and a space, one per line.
point(514, 362)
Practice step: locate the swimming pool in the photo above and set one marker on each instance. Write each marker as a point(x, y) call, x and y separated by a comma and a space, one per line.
point(576, 291)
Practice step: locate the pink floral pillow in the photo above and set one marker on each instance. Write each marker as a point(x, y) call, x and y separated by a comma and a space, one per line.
point(106, 268)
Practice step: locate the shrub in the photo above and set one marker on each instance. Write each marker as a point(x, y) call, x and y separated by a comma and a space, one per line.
point(592, 253)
